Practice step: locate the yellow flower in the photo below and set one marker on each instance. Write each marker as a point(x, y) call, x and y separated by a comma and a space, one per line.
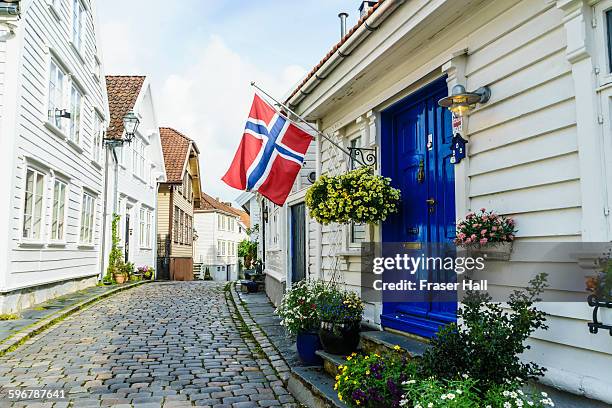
point(337, 377)
point(340, 397)
point(368, 372)
point(349, 358)
point(335, 386)
point(367, 357)
point(353, 354)
point(396, 347)
point(357, 402)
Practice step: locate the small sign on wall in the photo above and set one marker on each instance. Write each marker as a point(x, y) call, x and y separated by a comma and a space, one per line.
point(458, 143)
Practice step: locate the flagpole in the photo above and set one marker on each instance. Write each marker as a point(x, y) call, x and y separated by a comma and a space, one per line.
point(253, 84)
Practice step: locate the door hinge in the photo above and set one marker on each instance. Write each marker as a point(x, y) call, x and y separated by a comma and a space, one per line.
point(594, 22)
point(596, 70)
point(600, 119)
point(606, 211)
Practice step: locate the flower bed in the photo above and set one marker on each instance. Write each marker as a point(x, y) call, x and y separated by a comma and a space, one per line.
point(483, 228)
point(357, 196)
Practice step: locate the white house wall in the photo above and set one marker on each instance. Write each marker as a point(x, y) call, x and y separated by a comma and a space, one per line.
point(41, 35)
point(134, 191)
point(524, 147)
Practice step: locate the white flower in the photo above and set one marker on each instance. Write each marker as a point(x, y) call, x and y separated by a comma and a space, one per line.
point(443, 396)
point(450, 396)
point(459, 392)
point(521, 392)
point(408, 382)
point(506, 393)
point(544, 394)
point(418, 406)
point(507, 405)
point(488, 406)
point(530, 403)
point(519, 402)
point(513, 394)
point(430, 405)
point(465, 376)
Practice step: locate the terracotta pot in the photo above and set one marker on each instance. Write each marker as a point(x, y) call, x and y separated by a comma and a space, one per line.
point(119, 278)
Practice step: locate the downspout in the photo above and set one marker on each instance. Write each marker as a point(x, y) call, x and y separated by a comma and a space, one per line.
point(104, 215)
point(155, 243)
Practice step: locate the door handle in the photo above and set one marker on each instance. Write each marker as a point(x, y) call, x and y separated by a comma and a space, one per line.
point(421, 171)
point(430, 201)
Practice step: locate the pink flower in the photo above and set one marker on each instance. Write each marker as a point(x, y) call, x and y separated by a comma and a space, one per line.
point(483, 209)
point(510, 221)
point(468, 240)
point(473, 236)
point(469, 215)
point(483, 232)
point(510, 237)
point(494, 228)
point(461, 235)
point(483, 241)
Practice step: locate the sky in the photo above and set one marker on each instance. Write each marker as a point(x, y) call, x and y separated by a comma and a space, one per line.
point(201, 56)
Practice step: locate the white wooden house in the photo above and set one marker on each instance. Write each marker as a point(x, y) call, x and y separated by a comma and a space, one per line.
point(540, 150)
point(53, 112)
point(139, 169)
point(220, 229)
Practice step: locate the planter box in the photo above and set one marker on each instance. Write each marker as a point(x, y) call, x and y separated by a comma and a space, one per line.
point(500, 251)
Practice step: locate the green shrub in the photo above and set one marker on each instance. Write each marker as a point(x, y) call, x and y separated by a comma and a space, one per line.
point(488, 344)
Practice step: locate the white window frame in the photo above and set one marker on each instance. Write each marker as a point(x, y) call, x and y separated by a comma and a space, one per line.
point(79, 28)
point(87, 225)
point(76, 114)
point(56, 97)
point(141, 227)
point(601, 39)
point(149, 229)
point(40, 197)
point(96, 140)
point(218, 247)
point(55, 212)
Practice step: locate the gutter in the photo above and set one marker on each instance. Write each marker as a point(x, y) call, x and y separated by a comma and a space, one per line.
point(362, 32)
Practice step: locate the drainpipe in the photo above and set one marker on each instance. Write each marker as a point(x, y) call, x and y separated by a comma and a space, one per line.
point(104, 215)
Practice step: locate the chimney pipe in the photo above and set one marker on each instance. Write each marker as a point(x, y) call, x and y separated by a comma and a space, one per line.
point(343, 17)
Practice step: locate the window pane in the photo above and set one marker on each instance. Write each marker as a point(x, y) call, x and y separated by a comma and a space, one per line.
point(609, 22)
point(27, 208)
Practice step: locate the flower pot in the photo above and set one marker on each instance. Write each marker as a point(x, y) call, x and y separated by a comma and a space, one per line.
point(495, 251)
point(252, 287)
point(307, 344)
point(339, 337)
point(119, 278)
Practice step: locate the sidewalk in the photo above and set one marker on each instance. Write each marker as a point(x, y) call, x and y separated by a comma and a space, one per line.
point(37, 318)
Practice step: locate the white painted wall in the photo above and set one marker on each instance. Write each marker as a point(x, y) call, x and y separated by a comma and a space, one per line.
point(211, 237)
point(135, 192)
point(537, 151)
point(44, 33)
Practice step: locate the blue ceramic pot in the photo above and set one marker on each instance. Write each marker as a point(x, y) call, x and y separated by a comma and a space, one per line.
point(307, 345)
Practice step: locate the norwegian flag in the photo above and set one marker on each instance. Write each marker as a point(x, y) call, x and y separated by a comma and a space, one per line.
point(270, 154)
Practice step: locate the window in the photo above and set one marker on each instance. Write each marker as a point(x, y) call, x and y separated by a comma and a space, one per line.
point(56, 95)
point(87, 219)
point(219, 221)
point(223, 248)
point(58, 210)
point(149, 229)
point(609, 25)
point(96, 148)
point(141, 229)
point(33, 204)
point(356, 231)
point(176, 224)
point(75, 118)
point(181, 227)
point(219, 248)
point(78, 13)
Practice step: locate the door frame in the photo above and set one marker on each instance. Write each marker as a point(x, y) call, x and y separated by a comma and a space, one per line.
point(421, 326)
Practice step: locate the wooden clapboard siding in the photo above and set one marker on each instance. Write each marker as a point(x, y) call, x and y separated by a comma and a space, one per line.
point(523, 148)
point(178, 249)
point(41, 35)
point(163, 210)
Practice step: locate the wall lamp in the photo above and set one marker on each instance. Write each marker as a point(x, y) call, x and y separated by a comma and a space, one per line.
point(130, 124)
point(265, 214)
point(460, 102)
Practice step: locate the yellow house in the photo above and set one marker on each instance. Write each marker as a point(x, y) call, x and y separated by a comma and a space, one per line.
point(175, 202)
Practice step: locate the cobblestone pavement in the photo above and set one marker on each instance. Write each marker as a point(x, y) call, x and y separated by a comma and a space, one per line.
point(168, 344)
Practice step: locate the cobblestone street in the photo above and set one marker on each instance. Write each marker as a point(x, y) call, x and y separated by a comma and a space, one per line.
point(161, 344)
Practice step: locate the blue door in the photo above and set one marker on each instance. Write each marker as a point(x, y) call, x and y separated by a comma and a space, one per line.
point(415, 145)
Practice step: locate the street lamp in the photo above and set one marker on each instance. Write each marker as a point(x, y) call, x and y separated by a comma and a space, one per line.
point(460, 102)
point(130, 124)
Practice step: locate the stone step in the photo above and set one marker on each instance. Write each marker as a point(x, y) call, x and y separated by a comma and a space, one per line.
point(383, 341)
point(331, 362)
point(314, 388)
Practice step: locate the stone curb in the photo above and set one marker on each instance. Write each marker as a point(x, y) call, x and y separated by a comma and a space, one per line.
point(274, 356)
point(28, 332)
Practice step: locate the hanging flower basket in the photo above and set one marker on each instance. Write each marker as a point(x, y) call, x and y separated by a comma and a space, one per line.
point(358, 196)
point(486, 234)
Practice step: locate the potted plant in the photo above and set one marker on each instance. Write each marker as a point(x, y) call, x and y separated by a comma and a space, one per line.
point(340, 313)
point(120, 277)
point(146, 272)
point(358, 196)
point(486, 234)
point(298, 311)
